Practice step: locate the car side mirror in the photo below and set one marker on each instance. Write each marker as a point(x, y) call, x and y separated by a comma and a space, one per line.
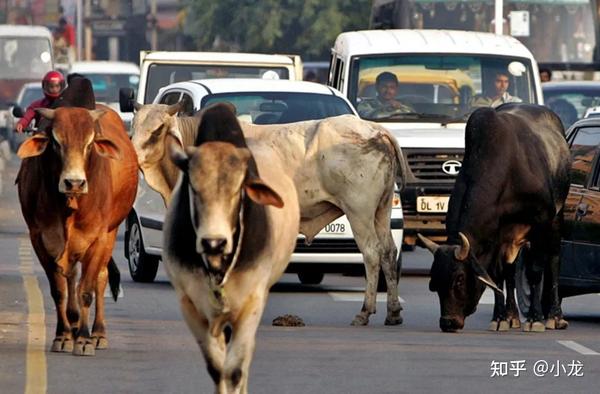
point(17, 112)
point(126, 97)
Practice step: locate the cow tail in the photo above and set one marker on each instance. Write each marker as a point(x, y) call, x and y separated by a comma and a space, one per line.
point(404, 174)
point(114, 278)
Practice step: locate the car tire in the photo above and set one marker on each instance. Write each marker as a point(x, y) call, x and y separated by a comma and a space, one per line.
point(523, 288)
point(142, 266)
point(311, 278)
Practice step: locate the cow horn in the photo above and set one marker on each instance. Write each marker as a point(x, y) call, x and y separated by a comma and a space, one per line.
point(174, 108)
point(461, 252)
point(429, 244)
point(137, 106)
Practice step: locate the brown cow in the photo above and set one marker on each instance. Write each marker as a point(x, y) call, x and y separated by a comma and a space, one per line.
point(76, 184)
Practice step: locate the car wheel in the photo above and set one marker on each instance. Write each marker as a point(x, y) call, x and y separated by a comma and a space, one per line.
point(142, 266)
point(311, 278)
point(522, 287)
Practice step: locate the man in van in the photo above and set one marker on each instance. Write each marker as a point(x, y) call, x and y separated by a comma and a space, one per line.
point(385, 104)
point(500, 96)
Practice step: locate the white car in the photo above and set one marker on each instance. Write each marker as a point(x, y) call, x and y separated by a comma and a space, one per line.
point(107, 78)
point(261, 102)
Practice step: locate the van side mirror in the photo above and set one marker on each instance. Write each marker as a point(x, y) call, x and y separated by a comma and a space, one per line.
point(17, 112)
point(126, 97)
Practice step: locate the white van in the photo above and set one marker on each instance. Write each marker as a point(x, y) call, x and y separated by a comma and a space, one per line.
point(443, 76)
point(161, 68)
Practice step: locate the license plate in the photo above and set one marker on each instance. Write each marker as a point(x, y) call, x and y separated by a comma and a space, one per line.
point(434, 204)
point(335, 228)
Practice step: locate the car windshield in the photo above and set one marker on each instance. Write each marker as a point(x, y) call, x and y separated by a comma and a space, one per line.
point(281, 107)
point(436, 88)
point(571, 104)
point(24, 57)
point(30, 95)
point(160, 75)
point(106, 86)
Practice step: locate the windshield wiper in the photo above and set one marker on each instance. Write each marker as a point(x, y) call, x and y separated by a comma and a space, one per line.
point(415, 115)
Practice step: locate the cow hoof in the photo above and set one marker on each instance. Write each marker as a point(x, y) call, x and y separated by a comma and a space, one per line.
point(536, 326)
point(504, 325)
point(100, 342)
point(515, 322)
point(84, 348)
point(557, 324)
point(493, 326)
point(393, 320)
point(360, 320)
point(62, 345)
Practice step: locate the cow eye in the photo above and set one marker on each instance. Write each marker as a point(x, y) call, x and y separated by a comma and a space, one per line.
point(459, 281)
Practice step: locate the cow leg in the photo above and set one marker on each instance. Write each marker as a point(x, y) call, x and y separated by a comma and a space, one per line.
point(534, 269)
point(72, 304)
point(63, 340)
point(499, 322)
point(241, 347)
point(555, 318)
point(368, 243)
point(99, 329)
point(95, 260)
point(389, 262)
point(512, 311)
point(213, 348)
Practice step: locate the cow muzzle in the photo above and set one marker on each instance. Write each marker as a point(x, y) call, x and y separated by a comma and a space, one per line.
point(73, 186)
point(451, 324)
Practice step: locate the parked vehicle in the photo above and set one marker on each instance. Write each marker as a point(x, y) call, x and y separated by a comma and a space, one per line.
point(25, 56)
point(441, 75)
point(571, 99)
point(161, 68)
point(107, 78)
point(580, 254)
point(260, 102)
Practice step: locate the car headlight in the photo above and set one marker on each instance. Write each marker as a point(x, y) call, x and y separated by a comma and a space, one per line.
point(396, 203)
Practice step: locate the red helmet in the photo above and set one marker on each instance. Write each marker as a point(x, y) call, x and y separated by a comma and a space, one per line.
point(53, 77)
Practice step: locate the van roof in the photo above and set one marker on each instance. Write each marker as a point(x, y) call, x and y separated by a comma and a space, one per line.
point(104, 67)
point(25, 31)
point(218, 57)
point(368, 42)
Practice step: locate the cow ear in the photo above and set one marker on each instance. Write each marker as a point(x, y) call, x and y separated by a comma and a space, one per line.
point(107, 148)
point(176, 152)
point(262, 194)
point(483, 276)
point(33, 146)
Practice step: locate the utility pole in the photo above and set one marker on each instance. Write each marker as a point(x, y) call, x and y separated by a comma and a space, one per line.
point(88, 29)
point(154, 32)
point(79, 18)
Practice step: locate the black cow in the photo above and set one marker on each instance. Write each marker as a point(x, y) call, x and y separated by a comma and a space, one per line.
point(509, 194)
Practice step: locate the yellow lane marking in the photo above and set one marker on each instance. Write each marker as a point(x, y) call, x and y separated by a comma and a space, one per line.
point(36, 378)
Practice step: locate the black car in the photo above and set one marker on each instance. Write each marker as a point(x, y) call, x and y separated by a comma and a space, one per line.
point(571, 99)
point(580, 264)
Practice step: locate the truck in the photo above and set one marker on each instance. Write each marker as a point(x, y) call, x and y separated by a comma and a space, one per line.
point(441, 74)
point(161, 68)
point(25, 56)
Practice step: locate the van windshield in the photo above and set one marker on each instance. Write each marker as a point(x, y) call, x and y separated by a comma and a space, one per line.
point(160, 75)
point(436, 88)
point(24, 57)
point(106, 86)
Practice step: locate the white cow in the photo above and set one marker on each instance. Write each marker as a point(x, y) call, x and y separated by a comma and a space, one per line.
point(340, 165)
point(228, 238)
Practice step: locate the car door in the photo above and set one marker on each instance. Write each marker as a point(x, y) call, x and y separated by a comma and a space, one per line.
point(581, 231)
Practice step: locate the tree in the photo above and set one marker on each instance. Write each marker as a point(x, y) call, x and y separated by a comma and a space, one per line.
point(305, 27)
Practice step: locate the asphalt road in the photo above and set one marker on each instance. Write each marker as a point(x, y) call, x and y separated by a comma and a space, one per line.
point(151, 350)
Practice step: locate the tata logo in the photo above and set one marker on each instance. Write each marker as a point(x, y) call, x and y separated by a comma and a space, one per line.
point(451, 167)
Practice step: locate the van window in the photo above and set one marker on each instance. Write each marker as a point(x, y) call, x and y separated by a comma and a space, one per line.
point(24, 57)
point(584, 149)
point(436, 86)
point(160, 75)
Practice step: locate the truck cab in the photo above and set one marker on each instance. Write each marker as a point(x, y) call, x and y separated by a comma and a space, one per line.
point(442, 76)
